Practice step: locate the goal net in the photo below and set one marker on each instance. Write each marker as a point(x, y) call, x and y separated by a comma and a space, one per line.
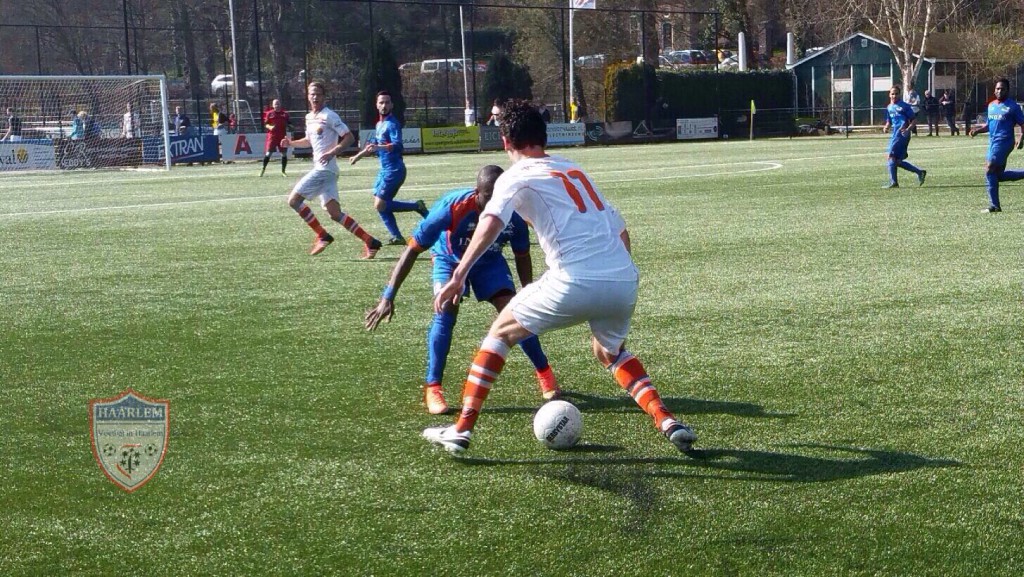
point(83, 122)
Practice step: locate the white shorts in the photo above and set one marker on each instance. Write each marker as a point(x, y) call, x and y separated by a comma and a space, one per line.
point(551, 303)
point(322, 183)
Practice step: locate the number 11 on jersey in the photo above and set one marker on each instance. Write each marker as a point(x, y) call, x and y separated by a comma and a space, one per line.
point(574, 193)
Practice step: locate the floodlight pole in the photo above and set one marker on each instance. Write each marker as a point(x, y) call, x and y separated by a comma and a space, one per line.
point(572, 74)
point(465, 64)
point(234, 57)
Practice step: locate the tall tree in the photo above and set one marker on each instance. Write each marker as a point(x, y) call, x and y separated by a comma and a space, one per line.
point(905, 25)
point(382, 74)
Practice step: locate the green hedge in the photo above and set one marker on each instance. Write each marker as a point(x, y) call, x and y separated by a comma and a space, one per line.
point(703, 93)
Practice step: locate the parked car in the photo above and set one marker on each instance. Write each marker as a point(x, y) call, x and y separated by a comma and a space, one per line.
point(223, 82)
point(591, 61)
point(730, 63)
point(440, 65)
point(411, 66)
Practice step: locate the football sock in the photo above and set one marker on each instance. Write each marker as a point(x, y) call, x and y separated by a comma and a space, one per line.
point(487, 365)
point(390, 223)
point(439, 342)
point(401, 206)
point(284, 163)
point(992, 180)
point(892, 171)
point(306, 214)
point(631, 376)
point(1011, 175)
point(531, 347)
point(907, 166)
point(352, 226)
point(266, 161)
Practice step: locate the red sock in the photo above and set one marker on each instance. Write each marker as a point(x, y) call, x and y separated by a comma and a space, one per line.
point(352, 226)
point(629, 372)
point(306, 214)
point(487, 365)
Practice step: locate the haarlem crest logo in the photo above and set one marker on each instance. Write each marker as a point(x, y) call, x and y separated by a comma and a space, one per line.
point(129, 437)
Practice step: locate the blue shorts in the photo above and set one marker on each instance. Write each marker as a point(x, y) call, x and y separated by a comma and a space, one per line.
point(898, 146)
point(488, 277)
point(999, 155)
point(388, 183)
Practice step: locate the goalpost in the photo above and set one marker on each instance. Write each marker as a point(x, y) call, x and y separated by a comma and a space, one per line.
point(75, 122)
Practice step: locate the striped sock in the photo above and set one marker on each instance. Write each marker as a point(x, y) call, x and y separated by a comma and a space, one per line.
point(487, 365)
point(631, 376)
point(306, 214)
point(352, 226)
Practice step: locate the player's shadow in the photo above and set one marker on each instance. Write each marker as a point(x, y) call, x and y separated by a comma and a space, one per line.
point(684, 406)
point(814, 463)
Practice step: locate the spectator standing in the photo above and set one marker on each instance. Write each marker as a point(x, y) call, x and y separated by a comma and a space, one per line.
point(931, 109)
point(218, 121)
point(13, 133)
point(77, 125)
point(948, 104)
point(492, 120)
point(545, 114)
point(182, 123)
point(232, 123)
point(130, 127)
point(914, 100)
point(968, 117)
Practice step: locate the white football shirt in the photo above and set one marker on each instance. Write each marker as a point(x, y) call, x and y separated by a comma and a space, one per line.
point(324, 129)
point(577, 228)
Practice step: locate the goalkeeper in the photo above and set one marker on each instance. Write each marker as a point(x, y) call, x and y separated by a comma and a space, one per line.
point(276, 122)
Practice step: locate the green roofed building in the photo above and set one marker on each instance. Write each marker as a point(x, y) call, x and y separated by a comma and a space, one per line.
point(849, 81)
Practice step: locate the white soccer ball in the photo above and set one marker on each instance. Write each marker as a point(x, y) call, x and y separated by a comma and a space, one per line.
point(558, 424)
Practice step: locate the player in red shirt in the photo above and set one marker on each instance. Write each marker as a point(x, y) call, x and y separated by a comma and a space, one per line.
point(276, 122)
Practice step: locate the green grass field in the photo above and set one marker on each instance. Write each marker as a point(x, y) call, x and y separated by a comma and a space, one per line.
point(851, 358)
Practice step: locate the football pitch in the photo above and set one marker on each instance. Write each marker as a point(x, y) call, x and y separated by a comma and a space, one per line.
point(850, 357)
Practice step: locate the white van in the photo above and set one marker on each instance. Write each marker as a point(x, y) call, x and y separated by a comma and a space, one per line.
point(441, 65)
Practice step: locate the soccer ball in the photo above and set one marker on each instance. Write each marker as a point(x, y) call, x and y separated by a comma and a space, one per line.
point(558, 424)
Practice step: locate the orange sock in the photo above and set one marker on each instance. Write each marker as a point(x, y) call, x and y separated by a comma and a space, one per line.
point(629, 372)
point(352, 226)
point(487, 365)
point(306, 214)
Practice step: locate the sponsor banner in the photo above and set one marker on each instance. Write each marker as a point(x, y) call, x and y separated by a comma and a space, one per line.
point(196, 148)
point(490, 138)
point(600, 133)
point(129, 437)
point(565, 134)
point(696, 128)
point(411, 139)
point(29, 154)
point(247, 146)
point(99, 153)
point(451, 139)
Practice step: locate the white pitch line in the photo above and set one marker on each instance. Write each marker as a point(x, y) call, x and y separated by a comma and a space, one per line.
point(766, 165)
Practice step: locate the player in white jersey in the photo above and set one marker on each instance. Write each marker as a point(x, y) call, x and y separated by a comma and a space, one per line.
point(328, 136)
point(591, 276)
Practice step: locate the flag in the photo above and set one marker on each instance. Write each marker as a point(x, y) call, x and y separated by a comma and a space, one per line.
point(753, 109)
point(583, 4)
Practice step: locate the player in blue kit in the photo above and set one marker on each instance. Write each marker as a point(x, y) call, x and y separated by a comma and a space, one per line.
point(387, 143)
point(446, 231)
point(900, 118)
point(1004, 114)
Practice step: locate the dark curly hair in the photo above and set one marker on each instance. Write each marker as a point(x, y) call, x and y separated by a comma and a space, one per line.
point(522, 125)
